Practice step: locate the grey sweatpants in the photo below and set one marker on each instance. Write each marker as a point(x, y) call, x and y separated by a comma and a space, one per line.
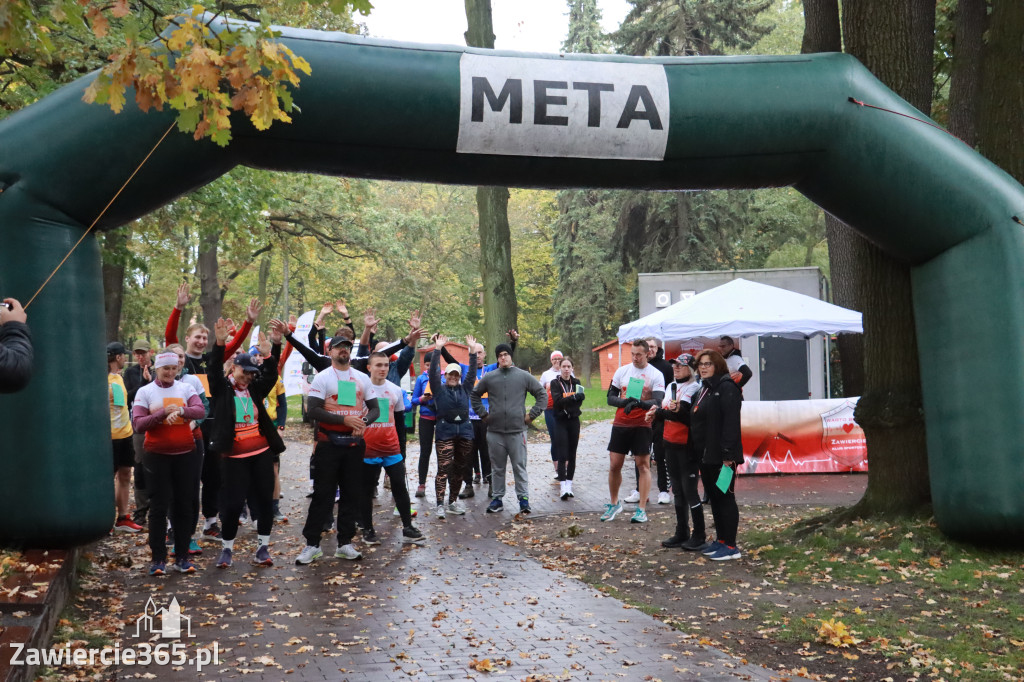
point(505, 447)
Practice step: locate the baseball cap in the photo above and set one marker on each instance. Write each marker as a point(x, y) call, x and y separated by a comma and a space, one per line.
point(142, 344)
point(244, 360)
point(684, 359)
point(453, 367)
point(116, 348)
point(339, 341)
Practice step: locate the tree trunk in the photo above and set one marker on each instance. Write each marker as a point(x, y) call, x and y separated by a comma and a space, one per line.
point(286, 305)
point(821, 27)
point(115, 248)
point(965, 76)
point(1001, 111)
point(261, 289)
point(922, 55)
point(882, 35)
point(210, 296)
point(501, 311)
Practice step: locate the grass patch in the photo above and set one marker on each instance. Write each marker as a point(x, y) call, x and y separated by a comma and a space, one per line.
point(649, 609)
point(947, 606)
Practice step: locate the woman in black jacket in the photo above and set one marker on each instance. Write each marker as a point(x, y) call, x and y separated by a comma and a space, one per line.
point(566, 401)
point(715, 436)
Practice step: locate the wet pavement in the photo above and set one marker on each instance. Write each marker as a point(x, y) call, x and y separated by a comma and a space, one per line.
point(449, 609)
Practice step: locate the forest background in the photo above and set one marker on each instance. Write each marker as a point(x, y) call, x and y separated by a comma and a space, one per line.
point(296, 240)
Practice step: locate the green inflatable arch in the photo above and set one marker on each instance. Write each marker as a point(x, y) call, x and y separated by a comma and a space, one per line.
point(453, 115)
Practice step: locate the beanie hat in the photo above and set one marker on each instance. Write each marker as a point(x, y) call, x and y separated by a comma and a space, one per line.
point(502, 348)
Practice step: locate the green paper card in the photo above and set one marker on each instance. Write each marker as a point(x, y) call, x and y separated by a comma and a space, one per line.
point(635, 388)
point(724, 479)
point(579, 388)
point(245, 411)
point(347, 393)
point(385, 410)
point(118, 395)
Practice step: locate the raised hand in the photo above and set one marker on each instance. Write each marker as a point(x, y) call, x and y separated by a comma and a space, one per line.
point(293, 322)
point(441, 341)
point(512, 334)
point(325, 310)
point(253, 311)
point(370, 318)
point(277, 330)
point(183, 296)
point(414, 335)
point(222, 329)
point(471, 342)
point(341, 307)
point(415, 320)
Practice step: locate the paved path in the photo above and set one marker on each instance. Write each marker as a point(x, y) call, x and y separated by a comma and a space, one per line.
point(425, 612)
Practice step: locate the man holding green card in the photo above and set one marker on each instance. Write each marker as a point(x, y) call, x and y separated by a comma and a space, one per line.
point(635, 388)
point(121, 436)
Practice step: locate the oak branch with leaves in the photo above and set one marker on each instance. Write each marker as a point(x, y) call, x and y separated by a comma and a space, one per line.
point(201, 73)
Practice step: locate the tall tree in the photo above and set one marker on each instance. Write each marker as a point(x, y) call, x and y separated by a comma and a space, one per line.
point(691, 27)
point(886, 36)
point(115, 253)
point(1001, 111)
point(501, 311)
point(965, 74)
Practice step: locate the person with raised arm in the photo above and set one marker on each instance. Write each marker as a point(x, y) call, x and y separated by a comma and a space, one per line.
point(453, 430)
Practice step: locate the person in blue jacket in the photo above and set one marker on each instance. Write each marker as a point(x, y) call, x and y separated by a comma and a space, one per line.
point(454, 432)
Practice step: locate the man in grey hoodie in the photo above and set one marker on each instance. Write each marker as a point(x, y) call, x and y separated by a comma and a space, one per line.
point(507, 421)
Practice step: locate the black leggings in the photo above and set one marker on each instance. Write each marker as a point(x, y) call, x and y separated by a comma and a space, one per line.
point(723, 505)
point(249, 478)
point(479, 457)
point(399, 491)
point(173, 486)
point(566, 439)
point(426, 445)
point(684, 472)
point(658, 442)
point(210, 477)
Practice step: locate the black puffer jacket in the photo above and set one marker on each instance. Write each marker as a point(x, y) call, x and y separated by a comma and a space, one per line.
point(15, 356)
point(715, 421)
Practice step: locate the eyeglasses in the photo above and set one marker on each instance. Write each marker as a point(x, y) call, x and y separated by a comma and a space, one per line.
point(705, 364)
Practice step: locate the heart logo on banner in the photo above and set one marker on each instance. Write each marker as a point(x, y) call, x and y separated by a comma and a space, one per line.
point(847, 427)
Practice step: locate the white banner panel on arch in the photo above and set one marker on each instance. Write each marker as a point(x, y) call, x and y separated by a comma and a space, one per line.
point(293, 368)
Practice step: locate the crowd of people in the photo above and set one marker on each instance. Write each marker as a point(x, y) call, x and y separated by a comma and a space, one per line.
point(197, 427)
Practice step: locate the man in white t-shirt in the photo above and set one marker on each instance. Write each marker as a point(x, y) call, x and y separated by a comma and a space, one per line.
point(739, 372)
point(635, 388)
point(339, 401)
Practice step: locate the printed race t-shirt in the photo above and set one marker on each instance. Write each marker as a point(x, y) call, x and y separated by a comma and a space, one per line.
point(546, 378)
point(652, 380)
point(380, 436)
point(248, 439)
point(353, 387)
point(167, 438)
point(194, 382)
point(120, 418)
point(677, 432)
point(734, 362)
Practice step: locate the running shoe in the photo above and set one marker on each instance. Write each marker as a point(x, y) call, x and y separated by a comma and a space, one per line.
point(194, 548)
point(421, 491)
point(495, 506)
point(439, 513)
point(633, 498)
point(126, 525)
point(213, 532)
point(564, 491)
point(457, 508)
point(467, 492)
point(725, 553)
point(280, 517)
point(524, 505)
point(664, 498)
point(611, 511)
point(370, 537)
point(696, 543)
point(411, 511)
point(712, 548)
point(184, 566)
point(674, 542)
point(308, 555)
point(262, 557)
point(639, 516)
point(224, 561)
point(348, 552)
point(411, 535)
point(568, 489)
point(476, 479)
point(158, 568)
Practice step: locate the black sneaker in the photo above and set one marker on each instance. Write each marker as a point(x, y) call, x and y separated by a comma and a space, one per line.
point(213, 532)
point(524, 505)
point(411, 535)
point(696, 543)
point(370, 537)
point(674, 542)
point(467, 493)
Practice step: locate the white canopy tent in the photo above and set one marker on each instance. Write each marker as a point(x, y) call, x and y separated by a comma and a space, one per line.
point(744, 308)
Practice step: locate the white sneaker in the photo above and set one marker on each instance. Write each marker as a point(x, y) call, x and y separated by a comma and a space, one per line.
point(633, 498)
point(348, 552)
point(457, 508)
point(564, 492)
point(440, 511)
point(664, 498)
point(308, 554)
point(568, 489)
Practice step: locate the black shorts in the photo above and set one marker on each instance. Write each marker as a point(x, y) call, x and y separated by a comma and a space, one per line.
point(124, 453)
point(635, 440)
